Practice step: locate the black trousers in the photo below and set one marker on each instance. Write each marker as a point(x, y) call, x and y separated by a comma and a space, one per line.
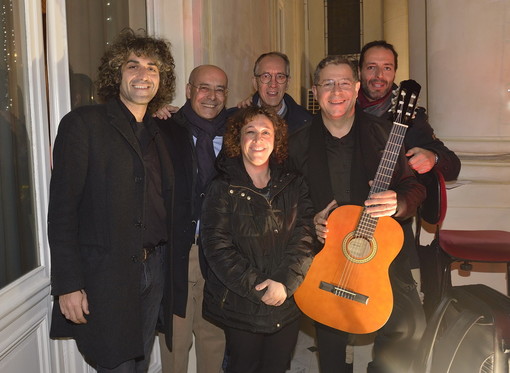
point(261, 353)
point(151, 293)
point(395, 343)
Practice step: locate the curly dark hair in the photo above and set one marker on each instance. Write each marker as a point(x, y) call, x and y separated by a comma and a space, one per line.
point(232, 137)
point(110, 69)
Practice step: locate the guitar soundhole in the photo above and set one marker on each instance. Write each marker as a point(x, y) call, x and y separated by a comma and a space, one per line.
point(359, 249)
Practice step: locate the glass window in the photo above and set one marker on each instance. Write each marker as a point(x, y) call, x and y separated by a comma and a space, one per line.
point(18, 251)
point(91, 26)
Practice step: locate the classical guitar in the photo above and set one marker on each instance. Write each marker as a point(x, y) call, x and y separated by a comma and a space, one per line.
point(347, 286)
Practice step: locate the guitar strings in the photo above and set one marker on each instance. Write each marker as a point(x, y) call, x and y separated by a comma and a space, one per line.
point(367, 224)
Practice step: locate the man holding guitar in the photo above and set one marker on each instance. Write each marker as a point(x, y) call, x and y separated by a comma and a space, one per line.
point(339, 154)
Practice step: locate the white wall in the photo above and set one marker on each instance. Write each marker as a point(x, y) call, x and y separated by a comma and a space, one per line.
point(468, 49)
point(231, 35)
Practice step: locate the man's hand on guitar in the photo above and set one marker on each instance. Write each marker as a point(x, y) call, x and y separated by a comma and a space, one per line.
point(382, 204)
point(421, 160)
point(275, 294)
point(321, 220)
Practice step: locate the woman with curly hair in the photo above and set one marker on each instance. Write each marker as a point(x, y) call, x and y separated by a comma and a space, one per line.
point(110, 209)
point(257, 235)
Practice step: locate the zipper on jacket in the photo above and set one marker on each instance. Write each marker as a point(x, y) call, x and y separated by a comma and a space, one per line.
point(270, 200)
point(224, 298)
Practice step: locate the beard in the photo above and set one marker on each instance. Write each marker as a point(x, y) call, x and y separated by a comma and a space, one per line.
point(375, 93)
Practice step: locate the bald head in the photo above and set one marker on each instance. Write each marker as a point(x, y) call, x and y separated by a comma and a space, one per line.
point(205, 70)
point(207, 90)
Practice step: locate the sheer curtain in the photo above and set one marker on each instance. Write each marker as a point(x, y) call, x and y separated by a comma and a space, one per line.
point(18, 251)
point(91, 26)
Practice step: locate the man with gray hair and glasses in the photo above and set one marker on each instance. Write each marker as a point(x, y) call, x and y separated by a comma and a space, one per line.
point(271, 75)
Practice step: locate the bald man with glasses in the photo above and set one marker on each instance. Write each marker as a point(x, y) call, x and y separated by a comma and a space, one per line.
point(194, 136)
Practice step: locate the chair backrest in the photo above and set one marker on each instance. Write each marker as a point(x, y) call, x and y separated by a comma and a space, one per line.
point(433, 209)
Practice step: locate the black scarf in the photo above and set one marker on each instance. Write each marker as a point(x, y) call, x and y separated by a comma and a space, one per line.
point(205, 131)
point(378, 107)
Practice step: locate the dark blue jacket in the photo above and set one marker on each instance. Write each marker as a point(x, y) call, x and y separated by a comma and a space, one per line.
point(296, 115)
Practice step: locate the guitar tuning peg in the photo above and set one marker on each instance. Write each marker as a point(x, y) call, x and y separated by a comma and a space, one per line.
point(393, 105)
point(415, 111)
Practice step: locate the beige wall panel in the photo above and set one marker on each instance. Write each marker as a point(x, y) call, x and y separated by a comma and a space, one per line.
point(372, 21)
point(396, 32)
point(317, 48)
point(239, 31)
point(468, 73)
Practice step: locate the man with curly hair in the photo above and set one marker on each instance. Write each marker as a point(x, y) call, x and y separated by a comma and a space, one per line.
point(110, 208)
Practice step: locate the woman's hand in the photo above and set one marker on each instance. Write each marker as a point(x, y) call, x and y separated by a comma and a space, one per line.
point(275, 294)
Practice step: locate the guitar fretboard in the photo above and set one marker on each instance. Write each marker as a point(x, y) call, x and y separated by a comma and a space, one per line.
point(382, 179)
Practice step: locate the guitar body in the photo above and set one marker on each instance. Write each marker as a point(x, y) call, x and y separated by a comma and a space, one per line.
point(347, 286)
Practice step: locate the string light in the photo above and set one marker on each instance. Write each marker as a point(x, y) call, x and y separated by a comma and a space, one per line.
point(109, 18)
point(8, 48)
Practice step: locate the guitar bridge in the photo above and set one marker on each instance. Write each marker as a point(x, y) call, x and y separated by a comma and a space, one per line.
point(344, 293)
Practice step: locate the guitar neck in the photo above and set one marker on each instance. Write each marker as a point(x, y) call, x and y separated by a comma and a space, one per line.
point(389, 159)
point(405, 105)
point(382, 179)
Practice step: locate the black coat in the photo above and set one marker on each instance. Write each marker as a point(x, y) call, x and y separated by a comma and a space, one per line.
point(307, 154)
point(177, 135)
point(296, 115)
point(248, 239)
point(94, 227)
point(420, 134)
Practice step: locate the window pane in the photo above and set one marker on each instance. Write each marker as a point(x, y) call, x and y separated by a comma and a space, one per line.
point(91, 26)
point(344, 27)
point(18, 251)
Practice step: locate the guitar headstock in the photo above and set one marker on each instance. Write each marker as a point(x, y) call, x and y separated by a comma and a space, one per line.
point(406, 101)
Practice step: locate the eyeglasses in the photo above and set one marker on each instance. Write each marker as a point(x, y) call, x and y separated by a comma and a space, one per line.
point(265, 78)
point(329, 85)
point(207, 89)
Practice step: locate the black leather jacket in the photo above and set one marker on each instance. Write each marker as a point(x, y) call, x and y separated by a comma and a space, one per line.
point(296, 116)
point(248, 238)
point(421, 134)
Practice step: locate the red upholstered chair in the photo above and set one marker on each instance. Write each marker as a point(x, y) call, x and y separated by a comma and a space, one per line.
point(464, 246)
